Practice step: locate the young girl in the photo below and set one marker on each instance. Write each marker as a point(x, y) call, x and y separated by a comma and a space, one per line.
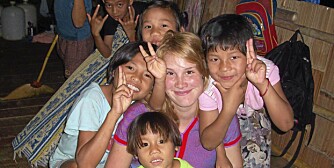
point(185, 81)
point(93, 116)
point(153, 138)
point(119, 12)
point(234, 66)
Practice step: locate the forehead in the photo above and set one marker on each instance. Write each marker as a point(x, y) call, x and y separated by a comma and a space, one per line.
point(116, 1)
point(159, 14)
point(219, 51)
point(177, 62)
point(138, 59)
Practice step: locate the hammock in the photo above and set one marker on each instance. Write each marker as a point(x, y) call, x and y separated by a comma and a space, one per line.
point(38, 140)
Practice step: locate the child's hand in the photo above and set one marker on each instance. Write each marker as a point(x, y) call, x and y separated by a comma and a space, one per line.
point(256, 69)
point(233, 96)
point(123, 94)
point(96, 22)
point(129, 24)
point(155, 65)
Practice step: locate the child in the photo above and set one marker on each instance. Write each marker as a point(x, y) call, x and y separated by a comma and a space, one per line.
point(233, 65)
point(75, 41)
point(153, 138)
point(93, 116)
point(159, 17)
point(185, 81)
point(120, 12)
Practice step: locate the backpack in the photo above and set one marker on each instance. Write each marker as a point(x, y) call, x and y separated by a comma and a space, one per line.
point(261, 15)
point(293, 60)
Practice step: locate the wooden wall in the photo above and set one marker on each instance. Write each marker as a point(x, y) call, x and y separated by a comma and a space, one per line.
point(316, 23)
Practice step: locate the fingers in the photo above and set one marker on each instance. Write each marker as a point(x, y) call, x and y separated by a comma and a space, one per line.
point(220, 87)
point(131, 12)
point(151, 49)
point(250, 55)
point(89, 17)
point(136, 21)
point(121, 77)
point(96, 10)
point(105, 18)
point(143, 52)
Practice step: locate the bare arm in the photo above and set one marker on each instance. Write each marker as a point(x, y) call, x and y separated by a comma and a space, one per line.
point(118, 157)
point(275, 97)
point(92, 145)
point(233, 153)
point(96, 24)
point(79, 13)
point(214, 125)
point(222, 159)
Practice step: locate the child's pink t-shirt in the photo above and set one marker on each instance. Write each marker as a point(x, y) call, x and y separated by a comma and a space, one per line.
point(211, 98)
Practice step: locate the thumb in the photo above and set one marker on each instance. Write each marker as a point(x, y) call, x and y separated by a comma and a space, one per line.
point(221, 89)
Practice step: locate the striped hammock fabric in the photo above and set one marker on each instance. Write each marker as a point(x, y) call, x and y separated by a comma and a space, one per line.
point(38, 140)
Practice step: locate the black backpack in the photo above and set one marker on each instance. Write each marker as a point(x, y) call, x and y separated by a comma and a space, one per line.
point(293, 60)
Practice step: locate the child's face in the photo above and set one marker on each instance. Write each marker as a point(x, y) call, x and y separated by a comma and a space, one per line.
point(138, 78)
point(226, 67)
point(155, 151)
point(156, 22)
point(117, 9)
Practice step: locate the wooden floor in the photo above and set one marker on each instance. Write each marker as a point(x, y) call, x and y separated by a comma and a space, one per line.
point(20, 63)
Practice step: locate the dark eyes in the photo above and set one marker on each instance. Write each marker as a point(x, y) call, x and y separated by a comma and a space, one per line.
point(129, 67)
point(144, 144)
point(170, 73)
point(161, 141)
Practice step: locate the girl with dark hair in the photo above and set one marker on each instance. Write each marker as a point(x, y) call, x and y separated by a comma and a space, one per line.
point(95, 113)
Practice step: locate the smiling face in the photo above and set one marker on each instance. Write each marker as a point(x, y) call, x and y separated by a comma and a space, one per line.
point(155, 23)
point(137, 76)
point(117, 9)
point(226, 67)
point(156, 151)
point(184, 82)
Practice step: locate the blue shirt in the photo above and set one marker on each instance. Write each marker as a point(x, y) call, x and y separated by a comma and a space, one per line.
point(65, 26)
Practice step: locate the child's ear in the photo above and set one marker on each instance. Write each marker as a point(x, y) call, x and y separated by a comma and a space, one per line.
point(130, 2)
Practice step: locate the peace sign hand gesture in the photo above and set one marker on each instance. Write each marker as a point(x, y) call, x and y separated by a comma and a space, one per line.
point(96, 22)
point(256, 69)
point(123, 94)
point(155, 65)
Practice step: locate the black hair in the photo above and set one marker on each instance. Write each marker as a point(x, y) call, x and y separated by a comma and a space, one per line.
point(228, 31)
point(157, 123)
point(180, 17)
point(123, 55)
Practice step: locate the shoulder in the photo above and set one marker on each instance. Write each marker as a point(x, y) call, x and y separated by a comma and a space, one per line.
point(272, 70)
point(211, 90)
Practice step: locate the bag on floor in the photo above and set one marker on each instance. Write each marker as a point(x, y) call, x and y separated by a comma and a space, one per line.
point(293, 60)
point(261, 15)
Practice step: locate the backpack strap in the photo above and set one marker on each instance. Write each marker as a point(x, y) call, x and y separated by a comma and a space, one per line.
point(287, 147)
point(294, 158)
